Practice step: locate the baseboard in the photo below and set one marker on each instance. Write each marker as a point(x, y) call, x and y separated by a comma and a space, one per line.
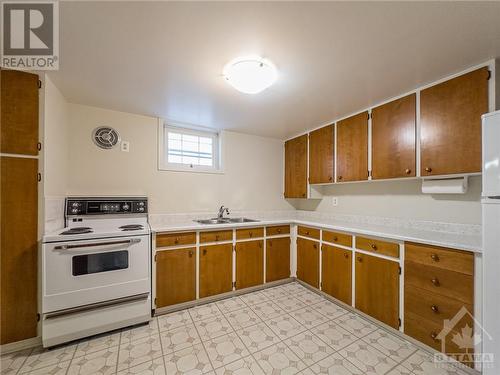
point(21, 345)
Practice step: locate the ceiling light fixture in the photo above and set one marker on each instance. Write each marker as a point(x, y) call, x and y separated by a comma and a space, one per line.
point(250, 75)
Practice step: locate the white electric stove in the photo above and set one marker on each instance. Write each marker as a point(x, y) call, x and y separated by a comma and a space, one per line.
point(96, 272)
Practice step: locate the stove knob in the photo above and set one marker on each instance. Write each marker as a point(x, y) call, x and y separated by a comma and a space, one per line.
point(140, 209)
point(75, 204)
point(125, 207)
point(74, 210)
point(141, 204)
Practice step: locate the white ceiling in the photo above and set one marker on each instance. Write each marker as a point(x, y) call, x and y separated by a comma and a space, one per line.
point(165, 59)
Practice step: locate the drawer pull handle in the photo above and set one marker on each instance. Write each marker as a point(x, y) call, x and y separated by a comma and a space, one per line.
point(433, 335)
point(307, 233)
point(374, 247)
point(428, 169)
point(435, 281)
point(346, 255)
point(176, 240)
point(435, 257)
point(335, 239)
point(279, 230)
point(204, 251)
point(434, 308)
point(407, 170)
point(190, 254)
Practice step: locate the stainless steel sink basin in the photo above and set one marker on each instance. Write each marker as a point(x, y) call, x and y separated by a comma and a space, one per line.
point(241, 220)
point(225, 220)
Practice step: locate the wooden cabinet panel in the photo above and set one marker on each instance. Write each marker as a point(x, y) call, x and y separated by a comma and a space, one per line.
point(296, 167)
point(377, 288)
point(352, 148)
point(246, 233)
point(19, 113)
point(337, 238)
point(18, 257)
point(453, 260)
point(308, 232)
point(216, 269)
point(175, 276)
point(308, 261)
point(249, 264)
point(277, 230)
point(434, 307)
point(441, 281)
point(321, 154)
point(175, 239)
point(215, 236)
point(277, 259)
point(378, 246)
point(393, 139)
point(450, 124)
point(336, 271)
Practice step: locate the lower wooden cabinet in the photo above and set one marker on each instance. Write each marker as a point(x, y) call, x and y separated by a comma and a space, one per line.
point(216, 265)
point(277, 259)
point(336, 273)
point(377, 288)
point(308, 261)
point(175, 276)
point(249, 264)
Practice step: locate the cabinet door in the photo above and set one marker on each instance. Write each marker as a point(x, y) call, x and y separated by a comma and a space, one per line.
point(18, 254)
point(336, 273)
point(393, 139)
point(321, 151)
point(377, 288)
point(296, 167)
point(216, 269)
point(277, 259)
point(352, 148)
point(19, 114)
point(450, 124)
point(175, 276)
point(249, 264)
point(308, 261)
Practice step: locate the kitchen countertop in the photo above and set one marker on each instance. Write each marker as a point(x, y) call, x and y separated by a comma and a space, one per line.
point(464, 241)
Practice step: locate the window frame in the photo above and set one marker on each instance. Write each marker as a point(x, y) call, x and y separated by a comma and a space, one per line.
point(164, 165)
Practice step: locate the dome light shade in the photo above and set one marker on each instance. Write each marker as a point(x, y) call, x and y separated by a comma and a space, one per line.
point(250, 75)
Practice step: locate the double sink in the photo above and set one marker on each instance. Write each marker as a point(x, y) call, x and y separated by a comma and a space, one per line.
point(232, 220)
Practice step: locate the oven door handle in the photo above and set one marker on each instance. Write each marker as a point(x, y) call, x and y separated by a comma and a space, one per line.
point(83, 245)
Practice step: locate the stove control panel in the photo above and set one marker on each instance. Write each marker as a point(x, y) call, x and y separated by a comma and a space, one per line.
point(103, 206)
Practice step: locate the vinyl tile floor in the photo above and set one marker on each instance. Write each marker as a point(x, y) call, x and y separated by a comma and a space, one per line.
point(285, 329)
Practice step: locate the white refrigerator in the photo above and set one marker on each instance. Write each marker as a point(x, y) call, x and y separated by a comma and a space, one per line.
point(491, 241)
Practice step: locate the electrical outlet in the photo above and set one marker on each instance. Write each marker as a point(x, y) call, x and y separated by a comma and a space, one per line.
point(335, 201)
point(125, 146)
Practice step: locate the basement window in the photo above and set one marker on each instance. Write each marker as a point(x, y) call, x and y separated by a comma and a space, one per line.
point(183, 149)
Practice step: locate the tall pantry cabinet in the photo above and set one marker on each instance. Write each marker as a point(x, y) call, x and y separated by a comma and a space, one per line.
point(19, 205)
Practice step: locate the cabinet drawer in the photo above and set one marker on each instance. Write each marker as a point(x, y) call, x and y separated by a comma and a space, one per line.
point(277, 230)
point(438, 280)
point(249, 233)
point(308, 232)
point(215, 236)
point(453, 260)
point(433, 306)
point(377, 246)
point(174, 239)
point(337, 238)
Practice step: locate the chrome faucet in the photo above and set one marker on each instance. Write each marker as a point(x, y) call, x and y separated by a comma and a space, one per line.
point(222, 209)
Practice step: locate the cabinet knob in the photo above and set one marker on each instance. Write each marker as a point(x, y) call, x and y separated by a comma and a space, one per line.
point(428, 169)
point(303, 195)
point(433, 335)
point(435, 281)
point(190, 254)
point(335, 239)
point(435, 257)
point(407, 170)
point(176, 240)
point(279, 230)
point(360, 259)
point(346, 255)
point(250, 234)
point(434, 308)
point(374, 247)
point(204, 251)
point(339, 177)
point(315, 246)
point(330, 178)
point(307, 233)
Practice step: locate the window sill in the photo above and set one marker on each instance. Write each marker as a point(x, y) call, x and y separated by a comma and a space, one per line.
point(190, 170)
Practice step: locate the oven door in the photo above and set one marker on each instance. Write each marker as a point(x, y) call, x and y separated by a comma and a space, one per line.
point(78, 273)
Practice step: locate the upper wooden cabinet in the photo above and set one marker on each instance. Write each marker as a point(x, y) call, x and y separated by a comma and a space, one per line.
point(393, 139)
point(321, 154)
point(296, 167)
point(19, 117)
point(450, 118)
point(352, 148)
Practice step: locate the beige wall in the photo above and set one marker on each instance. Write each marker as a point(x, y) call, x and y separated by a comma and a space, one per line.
point(252, 179)
point(400, 199)
point(55, 143)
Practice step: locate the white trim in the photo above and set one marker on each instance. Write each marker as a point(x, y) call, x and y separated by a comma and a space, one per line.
point(22, 156)
point(32, 342)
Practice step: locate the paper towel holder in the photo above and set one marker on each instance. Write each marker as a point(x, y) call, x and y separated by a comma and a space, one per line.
point(453, 185)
